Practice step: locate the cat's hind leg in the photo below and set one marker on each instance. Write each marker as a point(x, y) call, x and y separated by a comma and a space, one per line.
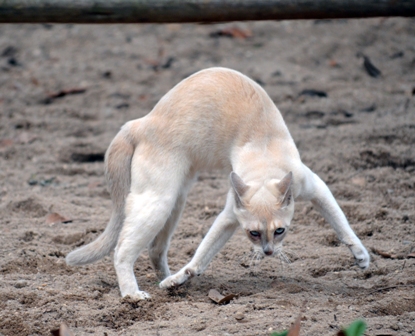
point(146, 214)
point(323, 200)
point(221, 230)
point(158, 248)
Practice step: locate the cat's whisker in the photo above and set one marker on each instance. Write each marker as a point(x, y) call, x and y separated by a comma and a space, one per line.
point(291, 254)
point(256, 256)
point(259, 256)
point(282, 256)
point(253, 258)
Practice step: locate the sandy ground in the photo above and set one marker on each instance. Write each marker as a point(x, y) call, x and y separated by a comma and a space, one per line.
point(67, 89)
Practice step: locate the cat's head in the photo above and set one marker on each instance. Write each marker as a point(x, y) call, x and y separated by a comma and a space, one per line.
point(264, 211)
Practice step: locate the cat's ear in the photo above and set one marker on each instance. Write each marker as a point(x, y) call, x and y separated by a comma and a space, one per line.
point(239, 188)
point(284, 188)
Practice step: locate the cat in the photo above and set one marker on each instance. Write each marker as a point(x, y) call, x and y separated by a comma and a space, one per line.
point(216, 118)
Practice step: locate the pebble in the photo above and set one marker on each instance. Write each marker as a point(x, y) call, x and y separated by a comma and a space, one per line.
point(239, 316)
point(358, 181)
point(394, 327)
point(20, 284)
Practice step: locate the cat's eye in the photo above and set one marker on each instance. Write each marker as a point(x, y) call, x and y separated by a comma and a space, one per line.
point(279, 231)
point(254, 234)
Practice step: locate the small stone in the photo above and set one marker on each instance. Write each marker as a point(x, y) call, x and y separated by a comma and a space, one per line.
point(239, 316)
point(358, 181)
point(20, 284)
point(395, 327)
point(96, 295)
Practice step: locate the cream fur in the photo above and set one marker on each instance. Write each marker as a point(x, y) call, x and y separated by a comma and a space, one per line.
point(216, 118)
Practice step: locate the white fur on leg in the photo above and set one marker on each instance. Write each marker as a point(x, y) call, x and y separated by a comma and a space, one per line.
point(176, 279)
point(146, 215)
point(219, 233)
point(159, 247)
point(325, 203)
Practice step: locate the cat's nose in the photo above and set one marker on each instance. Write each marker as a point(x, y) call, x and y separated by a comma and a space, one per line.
point(268, 251)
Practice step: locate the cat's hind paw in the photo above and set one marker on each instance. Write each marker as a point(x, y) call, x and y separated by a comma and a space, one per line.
point(138, 296)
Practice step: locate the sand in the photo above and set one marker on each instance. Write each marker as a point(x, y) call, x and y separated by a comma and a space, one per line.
point(67, 89)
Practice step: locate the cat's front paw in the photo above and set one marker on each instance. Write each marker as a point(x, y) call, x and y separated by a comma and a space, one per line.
point(177, 279)
point(362, 256)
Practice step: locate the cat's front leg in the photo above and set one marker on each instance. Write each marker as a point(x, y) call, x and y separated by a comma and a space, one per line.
point(323, 200)
point(220, 232)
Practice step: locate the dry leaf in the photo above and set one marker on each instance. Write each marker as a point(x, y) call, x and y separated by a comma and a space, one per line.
point(295, 328)
point(62, 93)
point(143, 97)
point(313, 93)
point(370, 68)
point(233, 32)
point(65, 92)
point(217, 297)
point(161, 63)
point(333, 63)
point(54, 217)
point(382, 253)
point(6, 143)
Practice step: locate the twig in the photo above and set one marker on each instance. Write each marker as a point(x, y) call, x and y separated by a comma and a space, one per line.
point(390, 287)
point(390, 255)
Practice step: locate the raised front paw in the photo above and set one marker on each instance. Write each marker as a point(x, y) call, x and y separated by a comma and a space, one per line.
point(177, 279)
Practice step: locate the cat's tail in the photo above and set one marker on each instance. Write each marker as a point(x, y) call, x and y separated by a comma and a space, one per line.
point(118, 173)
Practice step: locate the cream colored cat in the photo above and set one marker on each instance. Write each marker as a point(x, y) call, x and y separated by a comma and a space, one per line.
point(216, 118)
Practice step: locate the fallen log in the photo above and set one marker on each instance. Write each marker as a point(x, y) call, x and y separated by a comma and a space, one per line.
point(168, 11)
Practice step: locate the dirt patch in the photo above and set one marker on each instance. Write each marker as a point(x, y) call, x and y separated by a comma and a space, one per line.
point(66, 91)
